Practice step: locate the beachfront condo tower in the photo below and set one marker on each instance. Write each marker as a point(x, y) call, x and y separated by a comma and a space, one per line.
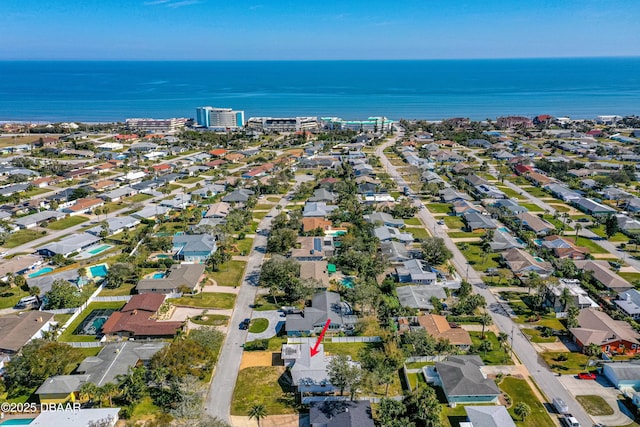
point(226, 118)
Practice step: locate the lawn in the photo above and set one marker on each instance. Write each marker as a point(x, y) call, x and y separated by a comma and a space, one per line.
point(594, 405)
point(352, 349)
point(510, 192)
point(618, 237)
point(453, 222)
point(139, 198)
point(64, 223)
point(520, 391)
point(260, 215)
point(536, 192)
point(68, 336)
point(476, 256)
point(525, 313)
point(21, 237)
point(35, 192)
point(497, 355)
point(210, 319)
point(574, 364)
point(9, 297)
point(61, 318)
point(556, 222)
point(215, 300)
point(258, 326)
point(273, 199)
point(263, 207)
point(266, 385)
point(191, 180)
point(439, 207)
point(230, 273)
point(244, 245)
point(464, 234)
point(535, 336)
point(531, 206)
point(593, 247)
point(631, 277)
point(560, 207)
point(144, 410)
point(417, 232)
point(125, 289)
point(413, 221)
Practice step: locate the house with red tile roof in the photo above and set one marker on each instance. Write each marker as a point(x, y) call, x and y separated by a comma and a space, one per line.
point(126, 137)
point(523, 169)
point(218, 152)
point(216, 163)
point(163, 168)
point(135, 320)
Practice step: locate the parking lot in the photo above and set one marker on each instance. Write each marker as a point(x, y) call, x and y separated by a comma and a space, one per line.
point(600, 387)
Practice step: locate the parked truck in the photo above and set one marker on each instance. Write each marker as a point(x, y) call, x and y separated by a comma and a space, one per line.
point(560, 406)
point(569, 420)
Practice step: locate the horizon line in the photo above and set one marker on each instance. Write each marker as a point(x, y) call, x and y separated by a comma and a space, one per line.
point(312, 60)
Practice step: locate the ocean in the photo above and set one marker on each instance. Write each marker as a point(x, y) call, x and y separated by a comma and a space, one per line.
point(105, 91)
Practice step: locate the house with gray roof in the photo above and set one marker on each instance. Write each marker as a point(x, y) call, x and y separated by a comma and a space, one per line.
point(115, 359)
point(522, 263)
point(106, 417)
point(61, 388)
point(241, 195)
point(323, 195)
point(16, 330)
point(510, 207)
point(419, 296)
point(487, 416)
point(397, 252)
point(324, 306)
point(535, 224)
point(601, 271)
point(68, 245)
point(416, 271)
point(592, 207)
point(10, 190)
point(629, 302)
point(476, 221)
point(624, 376)
point(209, 190)
point(463, 381)
point(627, 224)
point(340, 413)
point(151, 212)
point(383, 218)
point(562, 192)
point(115, 225)
point(489, 191)
point(193, 248)
point(179, 276)
point(33, 220)
point(386, 234)
point(449, 195)
point(503, 240)
point(317, 209)
point(179, 202)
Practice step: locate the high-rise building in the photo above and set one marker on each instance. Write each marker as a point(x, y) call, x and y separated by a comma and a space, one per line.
point(211, 117)
point(372, 124)
point(157, 125)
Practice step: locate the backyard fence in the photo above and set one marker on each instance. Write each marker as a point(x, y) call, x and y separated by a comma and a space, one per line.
point(112, 298)
point(425, 359)
point(81, 308)
point(92, 344)
point(62, 311)
point(312, 340)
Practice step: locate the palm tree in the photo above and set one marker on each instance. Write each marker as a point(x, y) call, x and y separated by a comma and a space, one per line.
point(565, 298)
point(257, 411)
point(87, 391)
point(591, 350)
point(522, 410)
point(578, 228)
point(110, 390)
point(486, 320)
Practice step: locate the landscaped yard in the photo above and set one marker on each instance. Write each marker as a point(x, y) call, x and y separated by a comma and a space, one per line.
point(526, 315)
point(574, 364)
point(139, 198)
point(244, 245)
point(211, 319)
point(453, 222)
point(266, 385)
point(464, 234)
point(258, 326)
point(594, 405)
point(497, 355)
point(417, 232)
point(259, 215)
point(64, 223)
point(520, 391)
point(556, 222)
point(532, 207)
point(350, 349)
point(477, 258)
point(9, 297)
point(510, 192)
point(593, 247)
point(536, 192)
point(439, 207)
point(535, 336)
point(124, 289)
point(618, 237)
point(68, 336)
point(230, 273)
point(216, 300)
point(559, 207)
point(21, 237)
point(413, 221)
point(191, 180)
point(631, 277)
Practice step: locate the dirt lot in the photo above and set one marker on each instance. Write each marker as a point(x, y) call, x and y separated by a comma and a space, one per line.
point(259, 358)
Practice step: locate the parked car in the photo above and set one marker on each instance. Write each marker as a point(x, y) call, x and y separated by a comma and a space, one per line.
point(560, 405)
point(569, 421)
point(587, 376)
point(245, 324)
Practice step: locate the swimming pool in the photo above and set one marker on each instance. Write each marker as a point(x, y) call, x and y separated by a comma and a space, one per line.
point(503, 229)
point(17, 422)
point(347, 282)
point(102, 248)
point(163, 256)
point(158, 275)
point(98, 270)
point(40, 272)
point(537, 258)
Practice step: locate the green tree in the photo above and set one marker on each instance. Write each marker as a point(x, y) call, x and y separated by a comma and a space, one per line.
point(486, 320)
point(392, 413)
point(257, 411)
point(280, 241)
point(435, 251)
point(572, 317)
point(611, 226)
point(281, 274)
point(423, 406)
point(63, 295)
point(522, 410)
point(119, 273)
point(87, 391)
point(565, 298)
point(344, 375)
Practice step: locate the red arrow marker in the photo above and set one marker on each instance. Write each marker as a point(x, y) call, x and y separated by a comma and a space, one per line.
point(314, 349)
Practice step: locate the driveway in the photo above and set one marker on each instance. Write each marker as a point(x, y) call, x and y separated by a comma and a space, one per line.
point(601, 387)
point(276, 322)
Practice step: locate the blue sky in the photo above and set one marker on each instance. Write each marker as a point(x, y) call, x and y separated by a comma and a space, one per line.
point(306, 29)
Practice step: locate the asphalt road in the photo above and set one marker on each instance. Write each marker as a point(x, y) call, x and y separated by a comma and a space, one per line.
point(218, 401)
point(546, 380)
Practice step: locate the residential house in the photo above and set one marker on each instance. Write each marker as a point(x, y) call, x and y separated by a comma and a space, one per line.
point(383, 218)
point(629, 302)
point(240, 196)
point(179, 202)
point(33, 220)
point(115, 225)
point(476, 221)
point(420, 296)
point(510, 207)
point(626, 224)
point(487, 416)
point(503, 240)
point(313, 223)
point(449, 195)
point(416, 271)
point(180, 276)
point(61, 388)
point(397, 252)
point(209, 190)
point(135, 320)
point(624, 376)
point(591, 207)
point(151, 212)
point(461, 168)
point(601, 271)
point(313, 248)
point(218, 210)
point(490, 191)
point(19, 264)
point(561, 192)
point(578, 297)
point(564, 247)
point(522, 263)
point(68, 245)
point(439, 328)
point(106, 417)
point(323, 195)
point(317, 209)
point(309, 373)
point(324, 306)
point(463, 381)
point(10, 190)
point(535, 224)
point(460, 207)
point(317, 272)
point(118, 194)
point(613, 336)
point(539, 179)
point(115, 360)
point(340, 413)
point(16, 330)
point(83, 206)
point(385, 234)
point(193, 248)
